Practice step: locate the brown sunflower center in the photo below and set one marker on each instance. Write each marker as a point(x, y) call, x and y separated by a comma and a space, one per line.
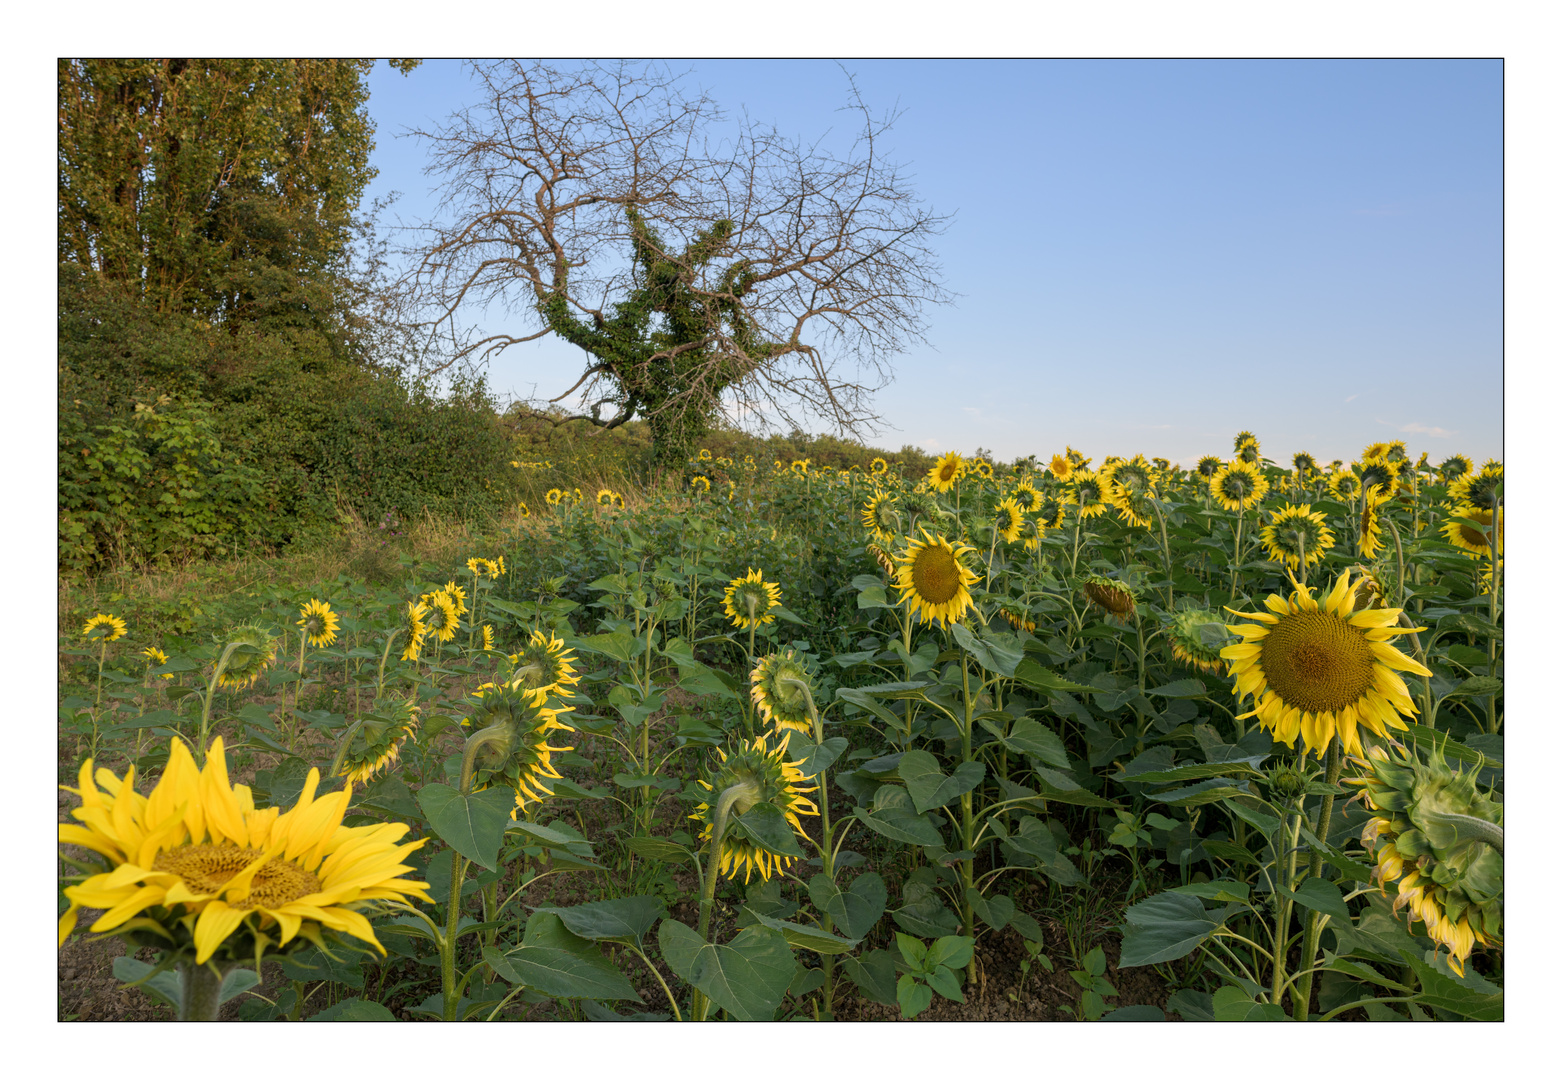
point(936, 574)
point(946, 473)
point(1317, 662)
point(205, 868)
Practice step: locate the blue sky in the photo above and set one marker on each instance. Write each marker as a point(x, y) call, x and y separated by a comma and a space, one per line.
point(1150, 255)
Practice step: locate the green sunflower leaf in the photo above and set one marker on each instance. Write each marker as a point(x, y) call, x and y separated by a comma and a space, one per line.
point(766, 826)
point(806, 937)
point(1167, 926)
point(556, 962)
point(856, 910)
point(929, 787)
point(472, 824)
point(748, 976)
point(625, 920)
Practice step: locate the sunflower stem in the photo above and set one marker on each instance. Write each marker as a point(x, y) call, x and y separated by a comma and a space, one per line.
point(379, 686)
point(1283, 903)
point(1302, 993)
point(447, 951)
point(698, 1005)
point(211, 689)
point(341, 747)
point(200, 990)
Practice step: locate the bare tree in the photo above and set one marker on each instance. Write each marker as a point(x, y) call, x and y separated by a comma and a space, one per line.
point(758, 274)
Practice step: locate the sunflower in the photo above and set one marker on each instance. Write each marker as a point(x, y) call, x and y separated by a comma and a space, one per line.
point(982, 469)
point(604, 497)
point(881, 557)
point(458, 595)
point(442, 620)
point(488, 637)
point(878, 466)
point(245, 664)
point(1053, 508)
point(751, 601)
point(516, 755)
point(1163, 464)
point(1197, 635)
point(1381, 472)
point(1007, 520)
point(1061, 467)
point(1247, 448)
point(778, 689)
point(522, 510)
point(1478, 488)
point(1239, 486)
point(618, 502)
point(156, 657)
point(376, 743)
point(1135, 476)
point(1132, 506)
point(1475, 541)
point(1079, 460)
point(704, 454)
point(1373, 500)
point(415, 628)
point(553, 497)
point(945, 472)
point(1026, 497)
point(1374, 451)
point(1296, 535)
point(1455, 467)
point(800, 467)
point(198, 869)
point(104, 628)
point(477, 567)
point(1089, 493)
point(1016, 616)
point(1114, 596)
point(1303, 463)
point(932, 579)
point(769, 778)
point(319, 623)
point(880, 519)
point(1208, 466)
point(701, 484)
point(1432, 838)
point(544, 664)
point(1318, 671)
point(1345, 485)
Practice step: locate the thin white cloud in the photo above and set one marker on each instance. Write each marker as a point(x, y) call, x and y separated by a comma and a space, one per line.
point(1352, 398)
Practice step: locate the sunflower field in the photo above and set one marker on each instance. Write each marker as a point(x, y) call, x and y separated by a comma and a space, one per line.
point(781, 741)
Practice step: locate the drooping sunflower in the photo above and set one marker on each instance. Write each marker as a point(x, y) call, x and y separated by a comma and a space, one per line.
point(1061, 466)
point(1304, 464)
point(700, 485)
point(1239, 486)
point(777, 688)
point(878, 467)
point(246, 664)
point(1026, 497)
point(1471, 540)
point(1345, 485)
point(414, 629)
point(766, 777)
point(1016, 615)
point(104, 628)
point(1432, 835)
point(1089, 494)
point(1320, 670)
point(488, 637)
point(442, 620)
point(377, 741)
point(1007, 520)
point(1296, 535)
point(195, 868)
point(945, 472)
point(751, 601)
point(932, 579)
point(1455, 467)
point(1197, 635)
point(1208, 466)
point(880, 519)
point(604, 497)
point(318, 623)
point(1111, 595)
point(1373, 499)
point(1479, 488)
point(881, 557)
point(553, 497)
point(545, 664)
point(516, 755)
